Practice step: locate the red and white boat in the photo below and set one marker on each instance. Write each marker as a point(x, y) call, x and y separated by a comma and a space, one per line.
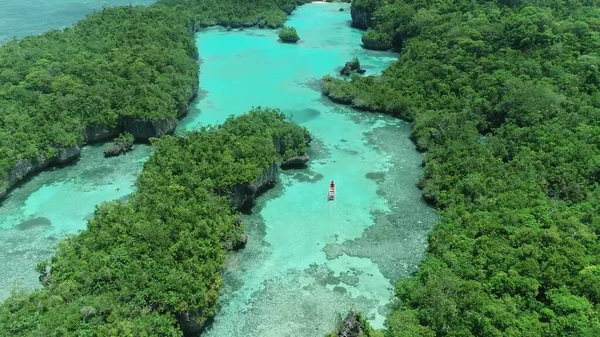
point(331, 193)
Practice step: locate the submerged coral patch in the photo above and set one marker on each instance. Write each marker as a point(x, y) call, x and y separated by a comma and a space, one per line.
point(34, 223)
point(307, 177)
point(376, 176)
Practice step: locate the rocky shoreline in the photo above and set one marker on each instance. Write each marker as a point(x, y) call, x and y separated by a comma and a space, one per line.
point(27, 167)
point(141, 129)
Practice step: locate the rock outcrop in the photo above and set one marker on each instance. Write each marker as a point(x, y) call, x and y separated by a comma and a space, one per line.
point(96, 133)
point(351, 326)
point(288, 35)
point(144, 129)
point(189, 323)
point(121, 144)
point(351, 66)
point(374, 44)
point(361, 17)
point(295, 162)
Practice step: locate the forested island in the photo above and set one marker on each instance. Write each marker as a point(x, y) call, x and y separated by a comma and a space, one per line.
point(504, 96)
point(288, 35)
point(152, 266)
point(127, 69)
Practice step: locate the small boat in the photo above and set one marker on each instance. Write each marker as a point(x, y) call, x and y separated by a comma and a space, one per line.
point(331, 194)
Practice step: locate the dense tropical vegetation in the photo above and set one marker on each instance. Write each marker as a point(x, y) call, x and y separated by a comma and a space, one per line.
point(115, 66)
point(505, 100)
point(123, 143)
point(142, 264)
point(263, 13)
point(135, 62)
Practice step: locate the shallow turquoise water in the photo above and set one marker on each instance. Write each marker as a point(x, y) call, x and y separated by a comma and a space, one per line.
point(19, 18)
point(306, 259)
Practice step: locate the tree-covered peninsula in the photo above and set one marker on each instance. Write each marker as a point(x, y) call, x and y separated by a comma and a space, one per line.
point(122, 69)
point(152, 266)
point(505, 101)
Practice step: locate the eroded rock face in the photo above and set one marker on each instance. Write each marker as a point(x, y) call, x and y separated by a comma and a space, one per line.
point(66, 155)
point(26, 167)
point(96, 133)
point(144, 129)
point(351, 326)
point(189, 324)
point(242, 194)
point(374, 44)
point(361, 18)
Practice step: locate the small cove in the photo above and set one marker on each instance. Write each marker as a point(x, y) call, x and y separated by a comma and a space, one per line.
point(306, 259)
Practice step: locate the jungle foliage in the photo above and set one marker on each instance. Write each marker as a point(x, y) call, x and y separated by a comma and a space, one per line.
point(264, 13)
point(141, 262)
point(505, 100)
point(288, 34)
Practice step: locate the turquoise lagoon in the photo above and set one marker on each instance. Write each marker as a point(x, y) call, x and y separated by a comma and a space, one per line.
point(306, 259)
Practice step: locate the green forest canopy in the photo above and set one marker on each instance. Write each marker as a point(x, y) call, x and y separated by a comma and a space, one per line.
point(505, 100)
point(140, 263)
point(136, 62)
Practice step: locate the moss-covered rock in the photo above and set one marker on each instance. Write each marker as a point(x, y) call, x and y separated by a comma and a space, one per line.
point(288, 35)
point(120, 145)
point(376, 40)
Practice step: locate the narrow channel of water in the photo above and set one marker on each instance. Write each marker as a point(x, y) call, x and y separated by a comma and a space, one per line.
point(306, 259)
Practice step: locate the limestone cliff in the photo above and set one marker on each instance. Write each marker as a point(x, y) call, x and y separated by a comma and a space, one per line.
point(374, 43)
point(242, 195)
point(26, 167)
point(144, 129)
point(362, 12)
point(141, 129)
point(360, 17)
point(97, 133)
